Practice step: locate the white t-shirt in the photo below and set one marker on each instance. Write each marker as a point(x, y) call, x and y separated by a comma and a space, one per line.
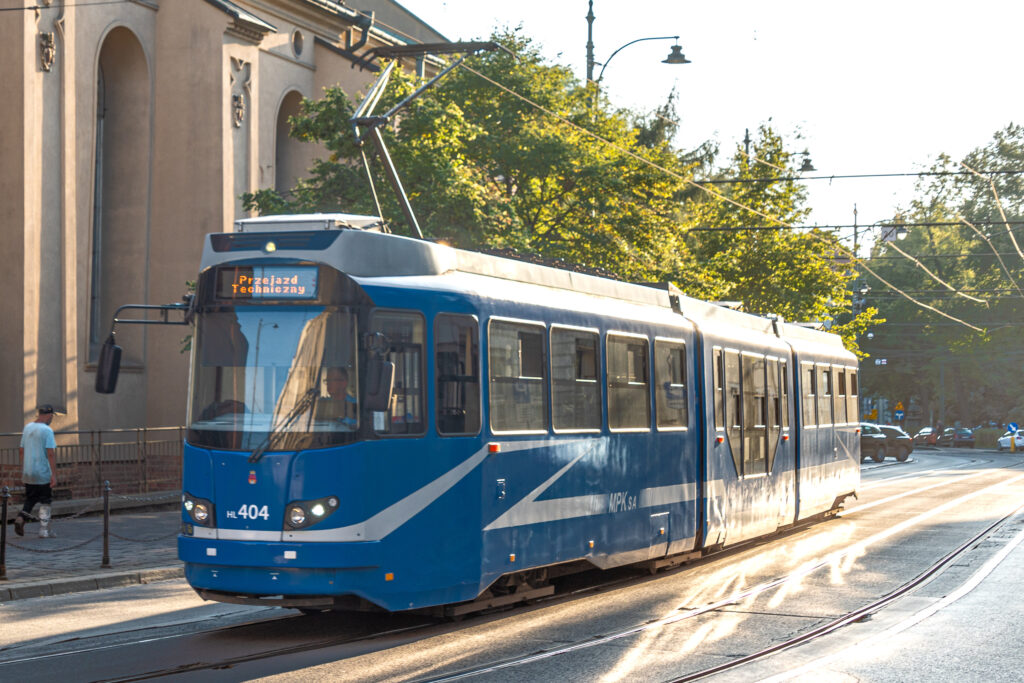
point(36, 438)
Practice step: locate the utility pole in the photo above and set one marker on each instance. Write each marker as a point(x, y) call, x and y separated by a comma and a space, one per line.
point(854, 231)
point(590, 42)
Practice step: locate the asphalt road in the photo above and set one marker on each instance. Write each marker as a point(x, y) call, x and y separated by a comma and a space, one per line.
point(648, 628)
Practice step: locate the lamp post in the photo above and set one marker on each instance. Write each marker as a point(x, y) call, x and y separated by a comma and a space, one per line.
point(675, 56)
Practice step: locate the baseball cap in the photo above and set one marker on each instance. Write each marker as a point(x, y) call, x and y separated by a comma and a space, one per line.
point(45, 409)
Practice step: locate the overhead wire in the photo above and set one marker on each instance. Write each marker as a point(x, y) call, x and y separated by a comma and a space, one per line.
point(712, 192)
point(849, 176)
point(999, 205)
point(782, 224)
point(994, 251)
point(916, 262)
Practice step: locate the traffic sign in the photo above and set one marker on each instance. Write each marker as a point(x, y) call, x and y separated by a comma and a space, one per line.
point(1012, 427)
point(898, 414)
point(899, 406)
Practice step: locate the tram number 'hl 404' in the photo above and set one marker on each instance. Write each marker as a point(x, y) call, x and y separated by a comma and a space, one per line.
point(249, 512)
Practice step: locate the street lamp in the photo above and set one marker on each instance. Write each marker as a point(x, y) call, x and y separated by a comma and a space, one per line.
point(675, 56)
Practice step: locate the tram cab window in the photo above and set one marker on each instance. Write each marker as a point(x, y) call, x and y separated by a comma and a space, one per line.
point(457, 368)
point(629, 393)
point(575, 389)
point(670, 383)
point(401, 335)
point(267, 370)
point(517, 391)
point(809, 378)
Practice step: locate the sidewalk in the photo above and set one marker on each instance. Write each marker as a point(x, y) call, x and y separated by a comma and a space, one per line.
point(143, 547)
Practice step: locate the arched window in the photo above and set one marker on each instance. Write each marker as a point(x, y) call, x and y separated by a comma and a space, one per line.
point(121, 190)
point(291, 161)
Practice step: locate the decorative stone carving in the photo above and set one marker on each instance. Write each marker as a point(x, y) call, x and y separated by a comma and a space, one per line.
point(47, 50)
point(238, 108)
point(240, 70)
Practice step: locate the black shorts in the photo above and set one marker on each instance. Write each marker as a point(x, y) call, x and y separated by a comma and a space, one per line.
point(37, 493)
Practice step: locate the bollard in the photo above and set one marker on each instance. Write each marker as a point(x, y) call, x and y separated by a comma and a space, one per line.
point(106, 526)
point(5, 493)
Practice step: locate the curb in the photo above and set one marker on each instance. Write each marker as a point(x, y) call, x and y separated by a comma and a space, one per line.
point(36, 589)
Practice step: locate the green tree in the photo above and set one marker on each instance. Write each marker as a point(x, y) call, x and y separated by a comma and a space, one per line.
point(955, 373)
point(793, 273)
point(514, 153)
point(486, 169)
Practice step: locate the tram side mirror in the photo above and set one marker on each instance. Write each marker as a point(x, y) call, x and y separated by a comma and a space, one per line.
point(380, 383)
point(109, 367)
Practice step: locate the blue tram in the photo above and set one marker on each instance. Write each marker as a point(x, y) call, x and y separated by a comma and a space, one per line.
point(383, 422)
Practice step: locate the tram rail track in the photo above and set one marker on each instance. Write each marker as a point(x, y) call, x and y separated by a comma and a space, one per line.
point(764, 587)
point(860, 613)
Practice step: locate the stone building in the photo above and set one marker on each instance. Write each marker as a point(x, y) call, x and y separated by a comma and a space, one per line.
point(128, 130)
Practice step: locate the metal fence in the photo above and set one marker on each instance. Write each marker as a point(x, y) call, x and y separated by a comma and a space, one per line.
point(133, 461)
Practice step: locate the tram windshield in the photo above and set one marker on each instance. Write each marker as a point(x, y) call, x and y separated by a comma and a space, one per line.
point(289, 371)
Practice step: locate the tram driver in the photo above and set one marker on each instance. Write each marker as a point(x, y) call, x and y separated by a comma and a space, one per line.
point(339, 405)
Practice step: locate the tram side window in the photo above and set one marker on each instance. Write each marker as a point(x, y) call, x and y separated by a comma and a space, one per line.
point(719, 384)
point(734, 408)
point(784, 375)
point(457, 368)
point(851, 399)
point(825, 395)
point(809, 379)
point(575, 390)
point(670, 378)
point(403, 336)
point(629, 393)
point(839, 399)
point(754, 416)
point(518, 382)
point(774, 408)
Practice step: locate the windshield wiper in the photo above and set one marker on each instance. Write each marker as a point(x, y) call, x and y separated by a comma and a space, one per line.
point(304, 403)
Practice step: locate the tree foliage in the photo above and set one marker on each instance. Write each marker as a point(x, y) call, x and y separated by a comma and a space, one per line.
point(557, 172)
point(954, 373)
point(798, 274)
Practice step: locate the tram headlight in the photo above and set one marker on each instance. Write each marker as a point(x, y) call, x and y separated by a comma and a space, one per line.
point(303, 513)
point(296, 516)
point(198, 509)
point(201, 513)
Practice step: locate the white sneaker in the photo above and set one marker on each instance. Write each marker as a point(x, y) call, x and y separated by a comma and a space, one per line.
point(47, 534)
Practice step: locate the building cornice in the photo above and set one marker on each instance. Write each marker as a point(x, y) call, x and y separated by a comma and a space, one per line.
point(245, 24)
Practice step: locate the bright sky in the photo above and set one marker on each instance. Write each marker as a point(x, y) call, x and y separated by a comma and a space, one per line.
point(872, 87)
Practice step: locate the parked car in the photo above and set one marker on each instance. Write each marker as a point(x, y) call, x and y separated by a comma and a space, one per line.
point(956, 436)
point(872, 442)
point(1003, 443)
point(897, 442)
point(926, 437)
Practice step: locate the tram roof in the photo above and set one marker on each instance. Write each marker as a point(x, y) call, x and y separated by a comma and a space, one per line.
point(363, 250)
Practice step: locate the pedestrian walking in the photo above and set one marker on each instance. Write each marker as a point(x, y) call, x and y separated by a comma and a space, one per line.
point(38, 471)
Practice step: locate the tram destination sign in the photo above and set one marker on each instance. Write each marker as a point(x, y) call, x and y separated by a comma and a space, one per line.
point(267, 282)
